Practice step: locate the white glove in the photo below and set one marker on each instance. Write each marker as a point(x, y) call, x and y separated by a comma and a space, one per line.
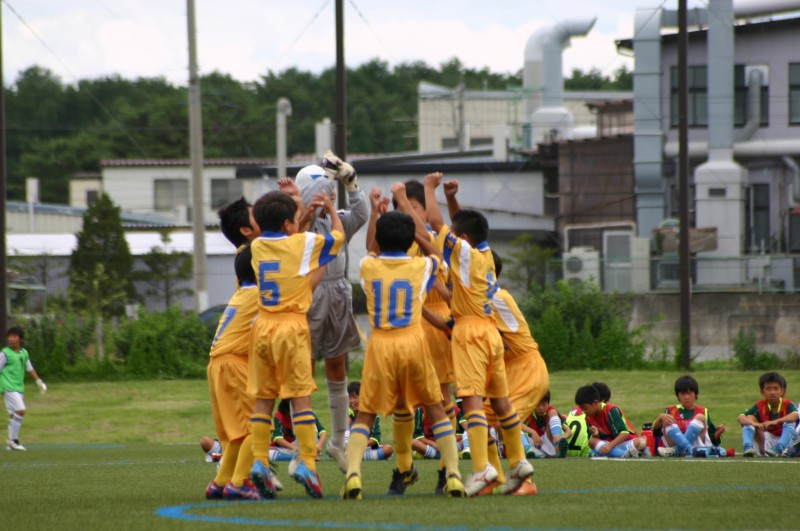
point(348, 176)
point(330, 164)
point(42, 386)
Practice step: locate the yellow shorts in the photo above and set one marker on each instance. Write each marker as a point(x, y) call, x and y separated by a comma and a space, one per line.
point(231, 405)
point(280, 357)
point(528, 381)
point(439, 344)
point(397, 368)
point(478, 358)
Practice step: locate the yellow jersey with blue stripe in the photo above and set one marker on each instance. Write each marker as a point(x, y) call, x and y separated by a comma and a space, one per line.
point(434, 297)
point(233, 331)
point(514, 329)
point(283, 265)
point(472, 276)
point(396, 286)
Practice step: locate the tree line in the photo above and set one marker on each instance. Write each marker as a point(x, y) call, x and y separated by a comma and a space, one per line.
point(57, 129)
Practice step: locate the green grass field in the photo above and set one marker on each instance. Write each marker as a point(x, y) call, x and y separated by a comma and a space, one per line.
point(125, 456)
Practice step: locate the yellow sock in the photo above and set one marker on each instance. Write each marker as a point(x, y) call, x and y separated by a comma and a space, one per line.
point(244, 462)
point(478, 430)
point(359, 437)
point(261, 429)
point(445, 437)
point(403, 428)
point(450, 411)
point(304, 424)
point(512, 438)
point(494, 459)
point(230, 453)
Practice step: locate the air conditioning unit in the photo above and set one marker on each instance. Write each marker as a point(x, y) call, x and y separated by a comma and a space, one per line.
point(582, 263)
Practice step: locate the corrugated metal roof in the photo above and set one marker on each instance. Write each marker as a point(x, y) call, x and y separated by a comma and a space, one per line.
point(125, 163)
point(139, 242)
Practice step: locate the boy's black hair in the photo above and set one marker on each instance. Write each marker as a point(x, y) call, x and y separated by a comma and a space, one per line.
point(771, 377)
point(587, 394)
point(273, 209)
point(686, 383)
point(498, 264)
point(16, 330)
point(603, 390)
point(233, 217)
point(414, 190)
point(471, 223)
point(243, 266)
point(354, 388)
point(394, 231)
point(546, 397)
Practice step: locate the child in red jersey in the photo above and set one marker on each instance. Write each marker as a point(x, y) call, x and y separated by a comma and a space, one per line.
point(611, 434)
point(767, 427)
point(546, 429)
point(686, 425)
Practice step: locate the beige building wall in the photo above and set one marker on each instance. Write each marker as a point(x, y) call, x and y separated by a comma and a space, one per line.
point(81, 189)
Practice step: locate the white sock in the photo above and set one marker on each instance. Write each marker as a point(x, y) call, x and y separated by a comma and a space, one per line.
point(339, 403)
point(14, 424)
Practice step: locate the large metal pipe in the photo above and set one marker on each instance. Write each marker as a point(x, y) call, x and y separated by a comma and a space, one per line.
point(755, 8)
point(543, 68)
point(720, 74)
point(284, 110)
point(754, 81)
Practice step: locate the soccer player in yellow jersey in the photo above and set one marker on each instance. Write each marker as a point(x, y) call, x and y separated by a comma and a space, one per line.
point(228, 365)
point(526, 370)
point(398, 374)
point(476, 344)
point(280, 344)
point(412, 202)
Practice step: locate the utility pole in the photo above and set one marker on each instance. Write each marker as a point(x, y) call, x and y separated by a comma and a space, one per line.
point(284, 110)
point(683, 186)
point(3, 192)
point(196, 149)
point(340, 136)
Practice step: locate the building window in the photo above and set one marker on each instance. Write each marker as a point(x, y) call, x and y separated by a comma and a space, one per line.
point(794, 231)
point(757, 233)
point(223, 191)
point(794, 94)
point(91, 196)
point(170, 194)
point(697, 114)
point(740, 99)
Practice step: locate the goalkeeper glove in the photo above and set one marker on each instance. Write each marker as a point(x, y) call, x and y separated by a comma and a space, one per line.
point(348, 176)
point(42, 386)
point(330, 164)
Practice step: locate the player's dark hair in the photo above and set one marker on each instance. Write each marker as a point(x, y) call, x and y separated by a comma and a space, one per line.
point(394, 231)
point(546, 397)
point(414, 190)
point(498, 264)
point(232, 217)
point(273, 209)
point(587, 394)
point(603, 390)
point(16, 330)
point(686, 383)
point(243, 266)
point(473, 224)
point(354, 388)
point(771, 377)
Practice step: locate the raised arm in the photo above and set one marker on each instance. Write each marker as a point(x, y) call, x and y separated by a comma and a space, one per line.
point(404, 205)
point(435, 220)
point(375, 212)
point(450, 190)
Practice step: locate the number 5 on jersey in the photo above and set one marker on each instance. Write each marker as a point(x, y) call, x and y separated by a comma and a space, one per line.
point(269, 290)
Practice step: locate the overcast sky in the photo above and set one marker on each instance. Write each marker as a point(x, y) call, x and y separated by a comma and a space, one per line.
point(79, 39)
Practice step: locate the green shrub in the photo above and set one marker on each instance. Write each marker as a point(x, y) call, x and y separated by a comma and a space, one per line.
point(579, 327)
point(747, 354)
point(57, 343)
point(169, 344)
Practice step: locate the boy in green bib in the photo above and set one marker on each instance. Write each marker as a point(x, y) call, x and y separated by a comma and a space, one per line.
point(14, 362)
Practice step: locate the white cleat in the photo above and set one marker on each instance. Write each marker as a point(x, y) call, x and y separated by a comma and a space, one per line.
point(666, 452)
point(522, 471)
point(339, 455)
point(476, 481)
point(12, 444)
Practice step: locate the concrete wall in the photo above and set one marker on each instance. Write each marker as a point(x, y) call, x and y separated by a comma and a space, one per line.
point(716, 319)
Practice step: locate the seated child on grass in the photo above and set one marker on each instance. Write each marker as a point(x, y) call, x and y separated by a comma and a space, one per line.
point(546, 429)
point(768, 426)
point(375, 450)
point(611, 433)
point(686, 425)
point(284, 440)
